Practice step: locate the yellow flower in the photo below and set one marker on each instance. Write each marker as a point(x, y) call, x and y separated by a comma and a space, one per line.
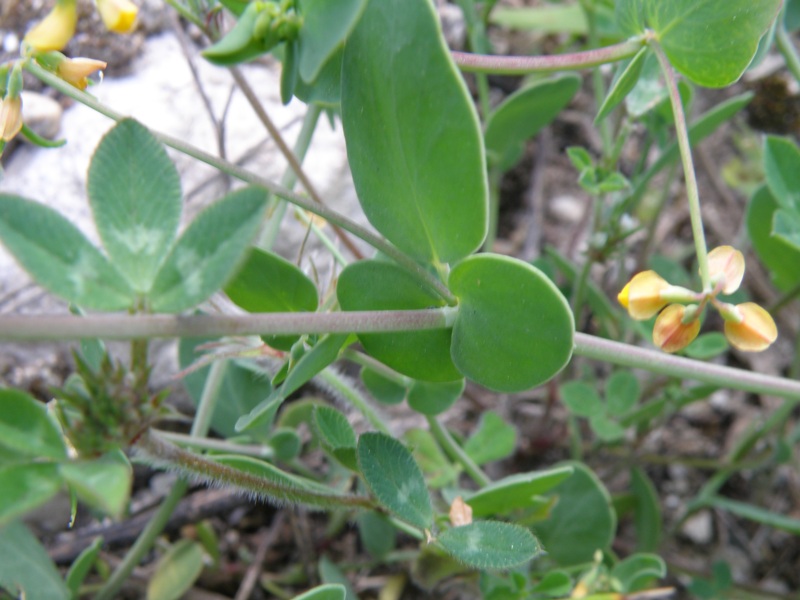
point(55, 30)
point(726, 267)
point(10, 117)
point(642, 295)
point(749, 327)
point(76, 71)
point(119, 16)
point(671, 333)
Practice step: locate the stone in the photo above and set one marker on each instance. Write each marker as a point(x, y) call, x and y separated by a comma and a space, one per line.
point(42, 114)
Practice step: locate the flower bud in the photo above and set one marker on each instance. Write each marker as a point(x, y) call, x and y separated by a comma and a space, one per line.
point(55, 30)
point(750, 327)
point(726, 267)
point(76, 71)
point(10, 117)
point(642, 295)
point(119, 16)
point(671, 333)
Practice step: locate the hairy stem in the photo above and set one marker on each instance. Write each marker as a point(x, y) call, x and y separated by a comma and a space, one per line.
point(520, 65)
point(457, 453)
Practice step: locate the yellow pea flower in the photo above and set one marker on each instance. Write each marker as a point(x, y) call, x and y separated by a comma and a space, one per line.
point(642, 295)
point(10, 117)
point(670, 333)
point(55, 30)
point(119, 16)
point(76, 71)
point(726, 266)
point(749, 327)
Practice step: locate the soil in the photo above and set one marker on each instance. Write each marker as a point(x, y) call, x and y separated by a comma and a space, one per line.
point(541, 205)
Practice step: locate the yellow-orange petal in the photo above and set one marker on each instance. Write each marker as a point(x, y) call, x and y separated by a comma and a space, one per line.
point(76, 71)
point(728, 263)
point(118, 16)
point(755, 332)
point(10, 118)
point(55, 30)
point(642, 295)
point(670, 333)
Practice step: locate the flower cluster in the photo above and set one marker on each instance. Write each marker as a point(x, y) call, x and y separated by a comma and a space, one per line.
point(747, 326)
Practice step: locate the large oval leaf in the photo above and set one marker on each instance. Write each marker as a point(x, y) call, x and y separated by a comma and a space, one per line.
point(781, 259)
point(25, 565)
point(135, 195)
point(59, 257)
point(394, 478)
point(325, 25)
point(712, 42)
point(490, 544)
point(514, 329)
point(413, 138)
point(378, 285)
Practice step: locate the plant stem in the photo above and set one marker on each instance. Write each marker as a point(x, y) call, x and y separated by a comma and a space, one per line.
point(146, 539)
point(294, 163)
point(675, 366)
point(478, 42)
point(377, 242)
point(253, 450)
point(163, 453)
point(692, 193)
point(597, 77)
point(341, 387)
point(787, 49)
point(124, 327)
point(520, 65)
point(457, 453)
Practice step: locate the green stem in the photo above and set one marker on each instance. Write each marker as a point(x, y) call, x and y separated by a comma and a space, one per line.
point(692, 193)
point(377, 242)
point(787, 49)
point(264, 452)
point(162, 452)
point(344, 390)
point(675, 366)
point(457, 453)
point(520, 65)
point(146, 539)
point(597, 77)
point(478, 42)
point(125, 327)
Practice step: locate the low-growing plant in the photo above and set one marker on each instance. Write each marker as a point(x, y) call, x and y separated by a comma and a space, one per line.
point(433, 310)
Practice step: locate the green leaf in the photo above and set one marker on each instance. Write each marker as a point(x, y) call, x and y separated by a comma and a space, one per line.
point(333, 428)
point(26, 429)
point(395, 479)
point(25, 565)
point(623, 83)
point(59, 257)
point(241, 43)
point(493, 439)
point(547, 18)
point(438, 469)
point(271, 473)
point(630, 17)
point(286, 443)
point(514, 328)
point(325, 25)
point(326, 89)
point(582, 520)
point(379, 285)
point(25, 487)
point(82, 565)
point(637, 571)
point(781, 259)
point(515, 491)
point(786, 227)
point(103, 483)
point(377, 534)
point(330, 574)
point(209, 251)
point(622, 392)
point(758, 514)
point(523, 114)
point(554, 584)
point(606, 429)
point(433, 398)
point(243, 388)
point(382, 388)
point(332, 591)
point(176, 571)
point(413, 137)
point(582, 399)
point(707, 346)
point(712, 42)
point(490, 544)
point(782, 170)
point(135, 195)
point(268, 283)
point(649, 91)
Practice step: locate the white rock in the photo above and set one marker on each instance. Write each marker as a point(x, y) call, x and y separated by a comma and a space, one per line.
point(699, 527)
point(42, 114)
